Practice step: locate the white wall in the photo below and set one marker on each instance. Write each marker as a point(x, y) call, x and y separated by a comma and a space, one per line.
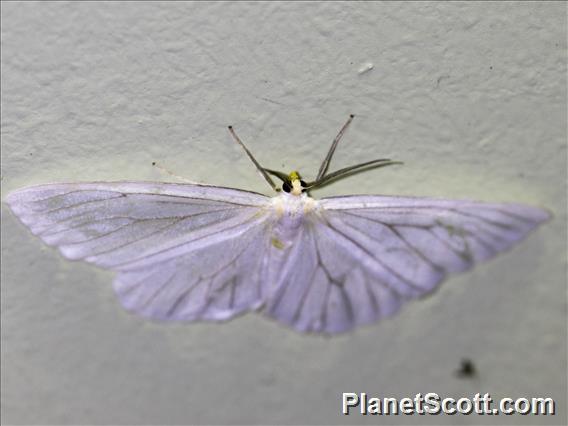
point(471, 96)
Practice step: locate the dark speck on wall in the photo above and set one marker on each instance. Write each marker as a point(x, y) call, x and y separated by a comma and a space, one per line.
point(466, 369)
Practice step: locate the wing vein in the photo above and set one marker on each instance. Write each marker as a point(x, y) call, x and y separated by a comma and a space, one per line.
point(125, 194)
point(389, 269)
point(173, 247)
point(437, 209)
point(208, 297)
point(158, 291)
point(400, 237)
point(309, 286)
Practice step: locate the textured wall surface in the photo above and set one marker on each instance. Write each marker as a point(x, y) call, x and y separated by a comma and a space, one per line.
point(471, 96)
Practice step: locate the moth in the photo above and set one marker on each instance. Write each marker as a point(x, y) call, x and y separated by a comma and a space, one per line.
point(188, 252)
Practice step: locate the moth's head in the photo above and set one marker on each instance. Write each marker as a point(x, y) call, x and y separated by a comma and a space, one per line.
point(294, 184)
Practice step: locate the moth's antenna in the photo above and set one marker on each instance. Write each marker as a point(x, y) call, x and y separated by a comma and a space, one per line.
point(256, 163)
point(325, 165)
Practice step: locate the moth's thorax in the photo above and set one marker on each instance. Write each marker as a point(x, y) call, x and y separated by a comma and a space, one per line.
point(290, 212)
point(292, 208)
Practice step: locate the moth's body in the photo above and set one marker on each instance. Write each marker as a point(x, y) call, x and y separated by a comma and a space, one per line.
point(291, 210)
point(293, 207)
point(190, 252)
point(289, 214)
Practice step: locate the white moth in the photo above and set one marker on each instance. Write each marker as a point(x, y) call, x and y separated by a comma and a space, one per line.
point(190, 252)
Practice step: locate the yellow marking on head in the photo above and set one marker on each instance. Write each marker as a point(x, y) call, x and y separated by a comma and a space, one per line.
point(277, 243)
point(294, 176)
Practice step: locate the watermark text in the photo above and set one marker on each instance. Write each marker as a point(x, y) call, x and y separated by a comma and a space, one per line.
point(432, 403)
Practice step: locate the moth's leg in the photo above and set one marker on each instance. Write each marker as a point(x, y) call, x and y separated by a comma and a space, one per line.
point(164, 170)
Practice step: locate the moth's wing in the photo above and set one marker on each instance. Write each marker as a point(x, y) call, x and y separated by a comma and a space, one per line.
point(181, 251)
point(359, 257)
point(322, 287)
point(213, 280)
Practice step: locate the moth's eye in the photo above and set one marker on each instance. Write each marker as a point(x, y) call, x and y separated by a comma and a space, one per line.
point(286, 187)
point(303, 184)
